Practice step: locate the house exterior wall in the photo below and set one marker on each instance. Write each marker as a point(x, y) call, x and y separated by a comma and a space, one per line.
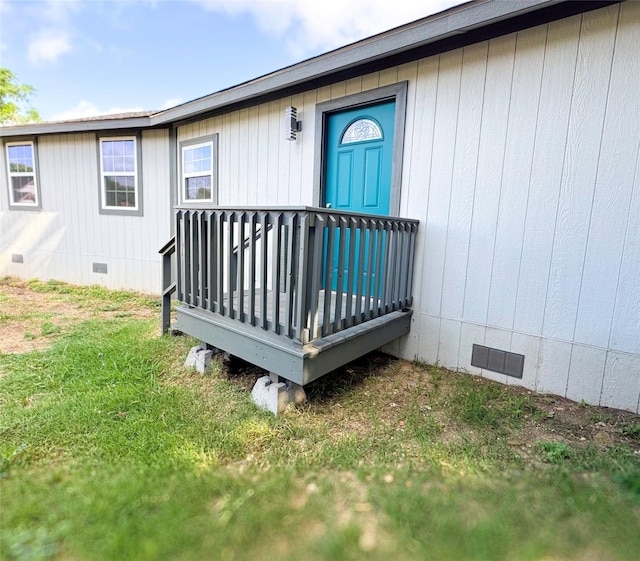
point(521, 160)
point(68, 235)
point(531, 224)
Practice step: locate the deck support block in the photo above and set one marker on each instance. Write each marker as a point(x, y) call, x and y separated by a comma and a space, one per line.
point(200, 359)
point(269, 394)
point(191, 357)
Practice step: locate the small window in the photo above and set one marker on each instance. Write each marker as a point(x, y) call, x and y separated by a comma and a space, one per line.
point(362, 129)
point(119, 181)
point(23, 181)
point(199, 173)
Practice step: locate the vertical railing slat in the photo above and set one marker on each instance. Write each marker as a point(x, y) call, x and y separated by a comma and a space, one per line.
point(379, 268)
point(187, 255)
point(371, 270)
point(202, 265)
point(193, 273)
point(302, 283)
point(386, 255)
point(351, 256)
point(290, 285)
point(276, 256)
point(193, 258)
point(362, 238)
point(339, 291)
point(240, 264)
point(213, 260)
point(220, 262)
point(263, 269)
point(410, 268)
point(316, 241)
point(394, 268)
point(252, 268)
point(230, 280)
point(180, 255)
point(328, 276)
point(404, 266)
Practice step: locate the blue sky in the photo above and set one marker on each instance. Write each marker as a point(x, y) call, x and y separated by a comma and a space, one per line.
point(91, 57)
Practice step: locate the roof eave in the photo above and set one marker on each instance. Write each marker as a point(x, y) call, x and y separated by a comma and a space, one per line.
point(75, 126)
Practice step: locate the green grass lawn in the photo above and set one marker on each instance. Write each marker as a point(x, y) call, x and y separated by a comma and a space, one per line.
point(111, 450)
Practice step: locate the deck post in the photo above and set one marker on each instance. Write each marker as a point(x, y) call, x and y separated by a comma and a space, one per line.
point(168, 285)
point(301, 280)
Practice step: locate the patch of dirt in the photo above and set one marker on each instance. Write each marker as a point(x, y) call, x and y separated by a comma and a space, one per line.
point(396, 389)
point(32, 320)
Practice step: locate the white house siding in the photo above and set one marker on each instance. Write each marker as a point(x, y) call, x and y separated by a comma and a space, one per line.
point(521, 161)
point(530, 209)
point(257, 166)
point(64, 239)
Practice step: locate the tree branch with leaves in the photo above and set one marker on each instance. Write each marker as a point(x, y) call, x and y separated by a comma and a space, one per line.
point(14, 100)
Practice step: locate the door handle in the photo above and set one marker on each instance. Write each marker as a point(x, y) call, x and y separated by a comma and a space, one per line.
point(328, 205)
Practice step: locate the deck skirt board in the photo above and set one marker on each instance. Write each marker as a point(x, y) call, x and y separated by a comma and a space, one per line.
point(289, 358)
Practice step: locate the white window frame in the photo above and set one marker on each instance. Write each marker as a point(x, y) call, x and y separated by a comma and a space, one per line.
point(136, 209)
point(34, 173)
point(212, 142)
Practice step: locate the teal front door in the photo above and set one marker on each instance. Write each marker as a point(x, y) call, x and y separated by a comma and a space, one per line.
point(359, 154)
point(359, 158)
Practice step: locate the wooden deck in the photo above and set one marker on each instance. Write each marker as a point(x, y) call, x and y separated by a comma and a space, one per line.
point(252, 283)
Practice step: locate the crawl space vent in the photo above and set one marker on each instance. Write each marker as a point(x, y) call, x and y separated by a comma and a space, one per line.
point(503, 362)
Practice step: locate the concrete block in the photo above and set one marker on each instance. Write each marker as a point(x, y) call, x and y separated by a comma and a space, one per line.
point(276, 396)
point(203, 361)
point(191, 357)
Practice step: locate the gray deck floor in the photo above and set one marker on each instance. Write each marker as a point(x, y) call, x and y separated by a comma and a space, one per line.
point(366, 304)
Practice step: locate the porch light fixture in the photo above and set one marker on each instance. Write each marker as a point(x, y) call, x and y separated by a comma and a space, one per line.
point(291, 124)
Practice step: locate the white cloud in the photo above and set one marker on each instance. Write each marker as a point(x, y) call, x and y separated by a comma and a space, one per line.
point(48, 47)
point(53, 20)
point(171, 102)
point(59, 11)
point(319, 25)
point(86, 109)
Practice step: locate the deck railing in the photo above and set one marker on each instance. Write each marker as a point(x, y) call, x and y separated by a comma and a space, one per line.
point(168, 284)
point(303, 273)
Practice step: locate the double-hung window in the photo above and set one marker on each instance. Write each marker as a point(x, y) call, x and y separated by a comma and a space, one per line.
point(119, 175)
point(199, 173)
point(22, 172)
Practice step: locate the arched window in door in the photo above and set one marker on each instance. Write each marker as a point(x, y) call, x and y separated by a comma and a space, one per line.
point(361, 129)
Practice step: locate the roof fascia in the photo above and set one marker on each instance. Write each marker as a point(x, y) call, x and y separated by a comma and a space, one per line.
point(75, 127)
